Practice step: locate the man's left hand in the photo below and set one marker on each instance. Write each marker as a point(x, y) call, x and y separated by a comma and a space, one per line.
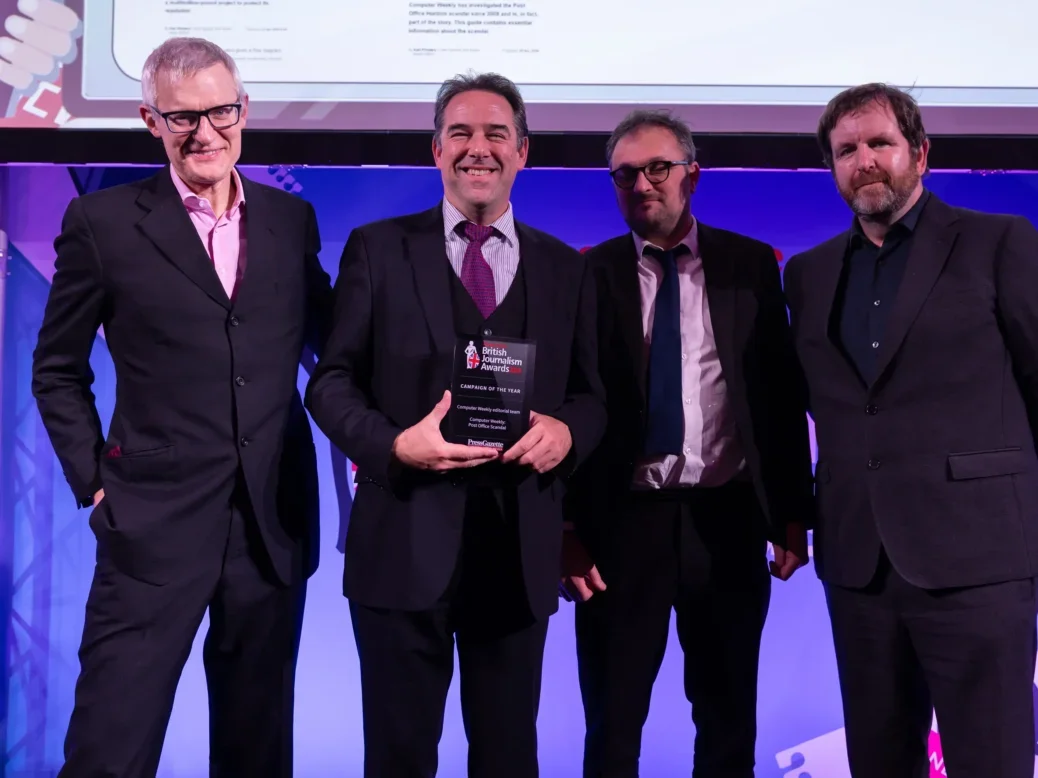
point(579, 577)
point(544, 445)
point(791, 556)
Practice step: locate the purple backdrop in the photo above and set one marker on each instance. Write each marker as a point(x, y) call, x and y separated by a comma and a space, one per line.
point(47, 550)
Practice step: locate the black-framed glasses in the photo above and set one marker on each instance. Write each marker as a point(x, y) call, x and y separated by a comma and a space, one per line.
point(656, 172)
point(220, 117)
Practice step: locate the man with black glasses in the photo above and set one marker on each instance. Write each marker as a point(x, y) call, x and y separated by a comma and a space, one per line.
point(204, 491)
point(705, 459)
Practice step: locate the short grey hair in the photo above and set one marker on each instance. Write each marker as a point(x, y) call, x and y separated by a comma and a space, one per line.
point(482, 82)
point(181, 57)
point(642, 118)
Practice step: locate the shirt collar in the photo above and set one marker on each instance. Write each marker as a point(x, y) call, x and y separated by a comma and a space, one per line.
point(195, 203)
point(906, 223)
point(691, 240)
point(504, 224)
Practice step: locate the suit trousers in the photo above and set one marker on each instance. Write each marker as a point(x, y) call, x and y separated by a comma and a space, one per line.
point(407, 660)
point(137, 638)
point(967, 655)
point(701, 553)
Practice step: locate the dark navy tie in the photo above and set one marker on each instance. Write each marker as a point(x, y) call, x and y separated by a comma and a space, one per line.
point(665, 430)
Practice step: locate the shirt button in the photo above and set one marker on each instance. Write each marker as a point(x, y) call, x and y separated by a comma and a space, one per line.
point(684, 357)
point(245, 441)
point(234, 321)
point(875, 344)
point(240, 381)
point(688, 450)
point(688, 401)
point(874, 464)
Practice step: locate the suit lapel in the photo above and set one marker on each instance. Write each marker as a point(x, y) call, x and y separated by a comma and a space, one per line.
point(931, 245)
point(625, 290)
point(541, 291)
point(826, 278)
point(721, 279)
point(169, 228)
point(260, 248)
point(426, 252)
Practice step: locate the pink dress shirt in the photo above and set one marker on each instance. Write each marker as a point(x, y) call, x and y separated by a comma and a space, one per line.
point(224, 237)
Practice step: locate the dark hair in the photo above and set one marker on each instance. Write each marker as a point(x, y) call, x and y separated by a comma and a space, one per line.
point(901, 104)
point(636, 120)
point(482, 82)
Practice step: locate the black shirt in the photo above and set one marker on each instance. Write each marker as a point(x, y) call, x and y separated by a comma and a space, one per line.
point(869, 283)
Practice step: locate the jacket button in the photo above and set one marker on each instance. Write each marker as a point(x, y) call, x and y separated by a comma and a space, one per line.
point(874, 464)
point(871, 410)
point(245, 441)
point(240, 381)
point(488, 331)
point(234, 321)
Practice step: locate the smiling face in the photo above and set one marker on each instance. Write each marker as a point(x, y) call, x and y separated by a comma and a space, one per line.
point(655, 211)
point(203, 158)
point(478, 154)
point(877, 172)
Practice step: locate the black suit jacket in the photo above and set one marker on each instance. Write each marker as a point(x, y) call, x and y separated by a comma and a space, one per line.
point(388, 362)
point(765, 388)
point(935, 460)
point(204, 386)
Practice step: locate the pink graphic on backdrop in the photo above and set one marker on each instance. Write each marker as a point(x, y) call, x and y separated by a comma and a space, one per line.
point(826, 757)
point(936, 755)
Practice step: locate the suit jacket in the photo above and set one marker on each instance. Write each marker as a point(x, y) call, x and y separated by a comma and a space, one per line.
point(205, 388)
point(388, 362)
point(765, 388)
point(935, 460)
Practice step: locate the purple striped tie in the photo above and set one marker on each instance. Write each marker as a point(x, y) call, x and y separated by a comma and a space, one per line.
point(476, 275)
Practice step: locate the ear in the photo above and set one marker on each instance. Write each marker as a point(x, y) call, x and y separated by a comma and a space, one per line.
point(437, 150)
point(693, 175)
point(924, 153)
point(244, 109)
point(524, 150)
point(150, 120)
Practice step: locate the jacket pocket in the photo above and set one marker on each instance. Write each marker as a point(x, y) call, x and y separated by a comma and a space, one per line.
point(986, 464)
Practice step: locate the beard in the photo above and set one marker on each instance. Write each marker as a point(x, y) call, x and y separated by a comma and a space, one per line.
point(878, 196)
point(657, 222)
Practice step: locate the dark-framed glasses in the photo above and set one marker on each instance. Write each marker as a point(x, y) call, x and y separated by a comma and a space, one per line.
point(220, 117)
point(656, 172)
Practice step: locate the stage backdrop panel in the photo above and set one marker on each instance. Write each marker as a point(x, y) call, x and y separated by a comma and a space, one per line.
point(47, 550)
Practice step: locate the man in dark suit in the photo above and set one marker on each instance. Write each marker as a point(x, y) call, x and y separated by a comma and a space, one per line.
point(449, 540)
point(706, 457)
point(204, 491)
point(917, 330)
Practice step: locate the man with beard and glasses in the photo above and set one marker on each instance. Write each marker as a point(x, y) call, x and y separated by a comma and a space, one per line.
point(705, 458)
point(917, 330)
point(449, 541)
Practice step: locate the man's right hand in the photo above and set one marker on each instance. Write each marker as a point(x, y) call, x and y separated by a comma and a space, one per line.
point(98, 496)
point(423, 447)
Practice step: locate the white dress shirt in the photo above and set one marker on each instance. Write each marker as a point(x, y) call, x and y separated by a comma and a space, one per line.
point(711, 452)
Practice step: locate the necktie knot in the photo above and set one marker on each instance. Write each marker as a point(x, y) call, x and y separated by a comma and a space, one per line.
point(668, 257)
point(478, 233)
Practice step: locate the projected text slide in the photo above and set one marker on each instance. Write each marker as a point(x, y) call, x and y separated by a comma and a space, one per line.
point(596, 42)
